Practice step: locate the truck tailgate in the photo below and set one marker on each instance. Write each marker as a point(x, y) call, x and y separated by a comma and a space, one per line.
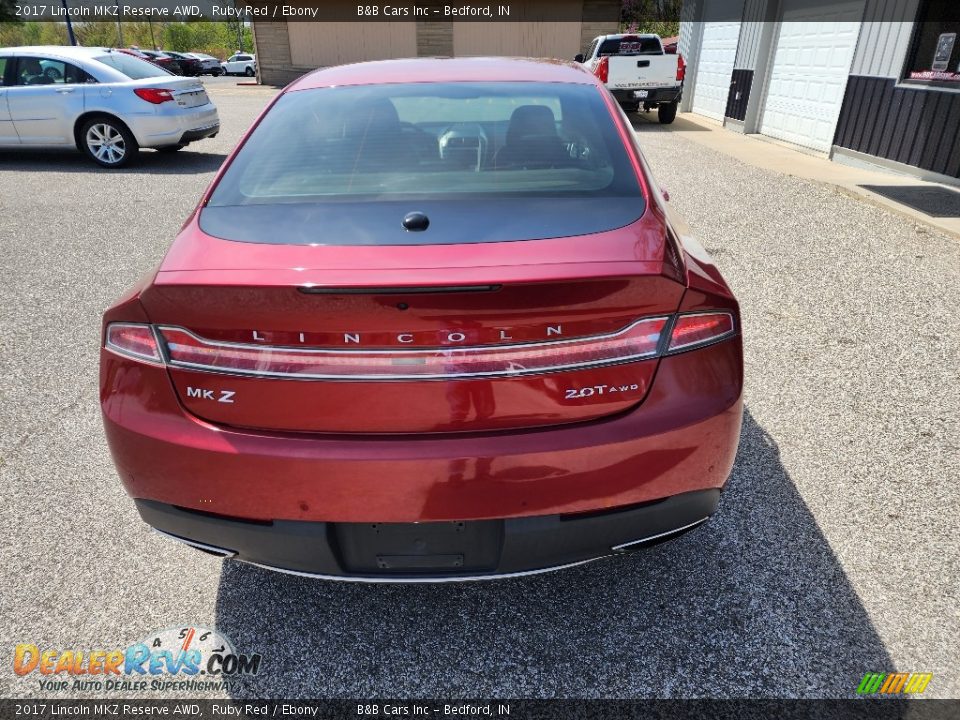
point(642, 71)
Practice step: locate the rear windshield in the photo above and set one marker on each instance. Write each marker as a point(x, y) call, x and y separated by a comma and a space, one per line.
point(630, 46)
point(133, 68)
point(435, 148)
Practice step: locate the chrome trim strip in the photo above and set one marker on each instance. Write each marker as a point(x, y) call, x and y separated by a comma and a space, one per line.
point(374, 378)
point(409, 352)
point(420, 580)
point(621, 547)
point(310, 289)
point(404, 350)
point(222, 552)
point(386, 579)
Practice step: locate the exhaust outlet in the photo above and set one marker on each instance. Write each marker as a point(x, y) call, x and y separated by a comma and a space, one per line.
point(637, 544)
point(203, 547)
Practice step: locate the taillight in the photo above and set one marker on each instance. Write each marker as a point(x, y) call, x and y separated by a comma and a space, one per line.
point(638, 341)
point(602, 70)
point(133, 340)
point(642, 340)
point(154, 95)
point(681, 68)
point(690, 331)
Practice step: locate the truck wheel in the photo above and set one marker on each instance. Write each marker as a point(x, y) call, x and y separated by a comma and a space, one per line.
point(249, 72)
point(667, 113)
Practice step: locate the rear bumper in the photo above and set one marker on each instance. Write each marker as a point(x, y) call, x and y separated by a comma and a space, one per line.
point(681, 440)
point(431, 552)
point(200, 133)
point(655, 96)
point(171, 125)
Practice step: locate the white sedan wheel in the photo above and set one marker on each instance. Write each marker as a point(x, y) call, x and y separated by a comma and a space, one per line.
point(106, 143)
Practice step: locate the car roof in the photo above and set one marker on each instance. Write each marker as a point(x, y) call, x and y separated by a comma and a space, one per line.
point(472, 69)
point(73, 51)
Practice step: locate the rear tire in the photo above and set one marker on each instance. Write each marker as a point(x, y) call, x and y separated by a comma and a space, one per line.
point(108, 142)
point(217, 73)
point(249, 72)
point(667, 113)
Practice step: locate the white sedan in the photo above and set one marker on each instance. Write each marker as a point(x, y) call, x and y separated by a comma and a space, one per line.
point(104, 102)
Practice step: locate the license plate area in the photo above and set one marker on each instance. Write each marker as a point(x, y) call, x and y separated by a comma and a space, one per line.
point(639, 93)
point(431, 548)
point(193, 98)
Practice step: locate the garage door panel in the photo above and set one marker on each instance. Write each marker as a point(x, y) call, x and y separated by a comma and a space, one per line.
point(810, 69)
point(718, 51)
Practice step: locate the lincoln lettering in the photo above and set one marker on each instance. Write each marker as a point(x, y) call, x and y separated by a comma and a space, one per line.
point(445, 337)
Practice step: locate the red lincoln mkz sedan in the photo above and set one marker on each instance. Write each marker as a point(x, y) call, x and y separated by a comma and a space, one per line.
point(432, 320)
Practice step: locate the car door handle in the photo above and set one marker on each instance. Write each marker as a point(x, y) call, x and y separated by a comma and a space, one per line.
point(64, 91)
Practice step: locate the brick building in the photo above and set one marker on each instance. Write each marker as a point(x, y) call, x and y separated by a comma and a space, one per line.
point(286, 50)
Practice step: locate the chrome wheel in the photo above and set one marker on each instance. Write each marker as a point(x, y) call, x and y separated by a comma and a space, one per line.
point(106, 143)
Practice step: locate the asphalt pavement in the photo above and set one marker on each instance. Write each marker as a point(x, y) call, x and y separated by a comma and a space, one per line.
point(835, 551)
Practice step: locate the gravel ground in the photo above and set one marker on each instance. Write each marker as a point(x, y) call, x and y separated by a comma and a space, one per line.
point(835, 551)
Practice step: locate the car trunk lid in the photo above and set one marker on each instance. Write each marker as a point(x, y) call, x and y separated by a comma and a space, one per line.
point(418, 339)
point(187, 92)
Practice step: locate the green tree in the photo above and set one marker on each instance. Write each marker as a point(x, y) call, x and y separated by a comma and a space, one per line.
point(178, 36)
point(97, 34)
point(661, 17)
point(214, 38)
point(8, 12)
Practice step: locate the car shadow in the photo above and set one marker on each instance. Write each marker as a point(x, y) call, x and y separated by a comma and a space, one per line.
point(150, 162)
point(753, 603)
point(649, 122)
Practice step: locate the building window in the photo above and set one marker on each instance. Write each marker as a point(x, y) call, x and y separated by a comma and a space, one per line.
point(934, 57)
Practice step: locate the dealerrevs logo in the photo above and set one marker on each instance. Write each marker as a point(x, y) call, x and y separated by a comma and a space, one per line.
point(172, 659)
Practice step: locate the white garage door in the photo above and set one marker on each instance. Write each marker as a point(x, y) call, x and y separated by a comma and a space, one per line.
point(718, 50)
point(809, 74)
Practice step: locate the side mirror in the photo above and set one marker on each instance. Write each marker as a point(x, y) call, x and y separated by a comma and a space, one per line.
point(578, 58)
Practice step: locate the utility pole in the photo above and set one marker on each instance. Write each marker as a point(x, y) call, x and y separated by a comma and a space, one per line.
point(153, 40)
point(119, 23)
point(66, 11)
point(236, 4)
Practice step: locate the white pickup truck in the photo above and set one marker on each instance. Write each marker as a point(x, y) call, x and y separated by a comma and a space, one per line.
point(638, 72)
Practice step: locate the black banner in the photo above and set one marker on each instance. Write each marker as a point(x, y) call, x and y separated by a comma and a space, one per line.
point(855, 709)
point(450, 11)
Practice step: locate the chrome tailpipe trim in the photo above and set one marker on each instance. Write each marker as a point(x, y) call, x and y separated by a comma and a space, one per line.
point(211, 549)
point(633, 543)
